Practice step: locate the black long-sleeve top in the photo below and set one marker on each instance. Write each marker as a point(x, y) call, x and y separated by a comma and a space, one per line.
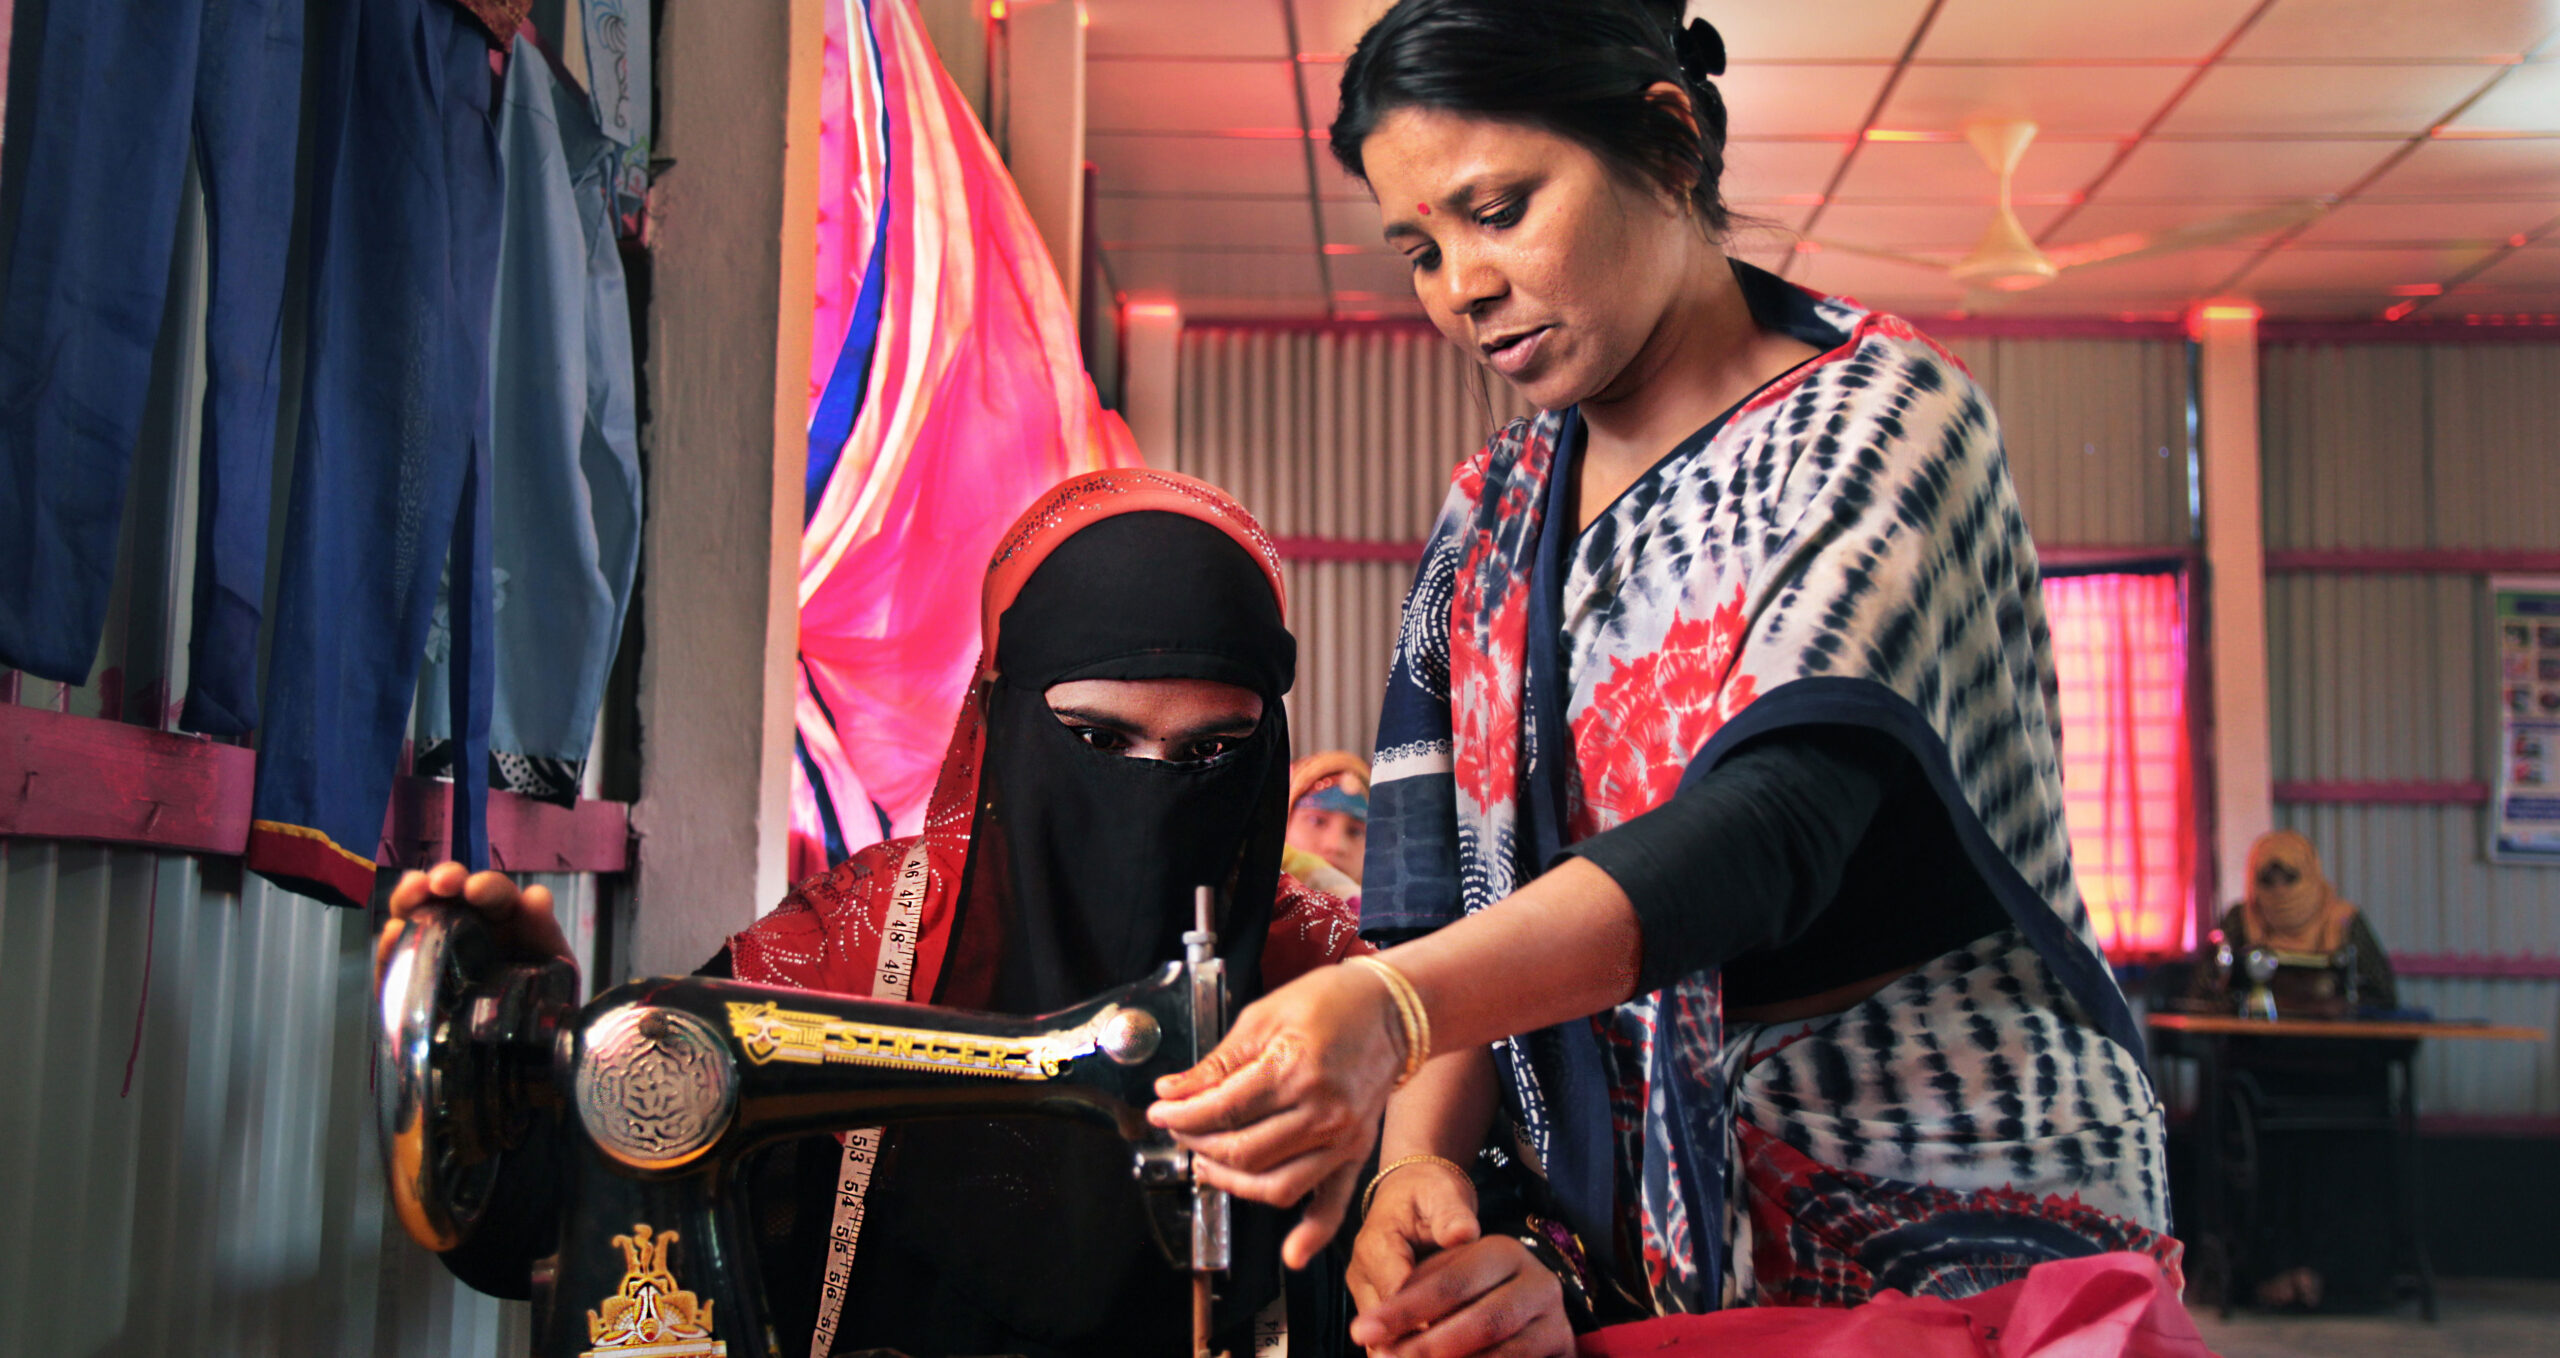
point(1811, 858)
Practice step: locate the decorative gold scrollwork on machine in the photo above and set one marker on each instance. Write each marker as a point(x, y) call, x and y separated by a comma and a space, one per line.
point(768, 1032)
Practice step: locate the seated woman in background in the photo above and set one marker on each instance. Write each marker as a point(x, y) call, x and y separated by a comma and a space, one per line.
point(2312, 1245)
point(1328, 822)
point(2292, 908)
point(1123, 742)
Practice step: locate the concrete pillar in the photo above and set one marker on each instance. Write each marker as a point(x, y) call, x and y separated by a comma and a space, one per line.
point(1044, 127)
point(1151, 333)
point(734, 262)
point(2235, 573)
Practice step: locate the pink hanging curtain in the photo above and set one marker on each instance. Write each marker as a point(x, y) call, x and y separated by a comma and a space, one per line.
point(2120, 653)
point(940, 407)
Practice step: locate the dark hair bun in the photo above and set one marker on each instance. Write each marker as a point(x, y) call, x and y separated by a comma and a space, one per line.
point(1701, 51)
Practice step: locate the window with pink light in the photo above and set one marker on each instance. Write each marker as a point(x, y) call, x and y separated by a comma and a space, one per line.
point(2120, 655)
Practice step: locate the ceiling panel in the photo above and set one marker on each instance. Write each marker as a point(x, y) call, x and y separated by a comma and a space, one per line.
point(1256, 223)
point(1950, 228)
point(1215, 273)
point(2481, 169)
point(2082, 299)
point(1772, 171)
point(1812, 30)
point(1197, 165)
point(1190, 96)
point(1185, 28)
point(1385, 275)
point(1950, 171)
point(2241, 169)
point(2011, 30)
point(2178, 277)
point(2293, 270)
point(1322, 81)
point(2114, 100)
point(2405, 100)
point(2316, 95)
point(2525, 99)
point(1354, 223)
point(2534, 267)
point(1875, 282)
point(2435, 220)
point(1335, 26)
point(2542, 306)
point(1203, 306)
point(2397, 29)
point(2319, 305)
point(1786, 101)
point(2100, 220)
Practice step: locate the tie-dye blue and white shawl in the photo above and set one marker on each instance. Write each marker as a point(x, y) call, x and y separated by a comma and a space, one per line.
point(1844, 548)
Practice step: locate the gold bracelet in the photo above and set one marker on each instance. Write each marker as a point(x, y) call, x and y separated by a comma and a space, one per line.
point(1371, 1196)
point(1416, 1021)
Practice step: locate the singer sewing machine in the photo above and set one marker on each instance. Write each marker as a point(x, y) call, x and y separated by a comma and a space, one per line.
point(656, 1090)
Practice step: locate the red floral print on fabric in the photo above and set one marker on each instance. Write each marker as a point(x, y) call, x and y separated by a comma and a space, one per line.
point(1485, 682)
point(1647, 720)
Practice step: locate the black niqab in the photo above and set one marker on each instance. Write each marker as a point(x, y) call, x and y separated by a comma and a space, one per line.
point(1028, 1236)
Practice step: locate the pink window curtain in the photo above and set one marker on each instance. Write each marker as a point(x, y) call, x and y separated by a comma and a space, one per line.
point(941, 405)
point(2120, 653)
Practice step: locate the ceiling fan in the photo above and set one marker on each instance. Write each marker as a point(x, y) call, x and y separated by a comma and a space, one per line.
point(2006, 259)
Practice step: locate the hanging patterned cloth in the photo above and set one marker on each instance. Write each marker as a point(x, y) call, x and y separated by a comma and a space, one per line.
point(946, 391)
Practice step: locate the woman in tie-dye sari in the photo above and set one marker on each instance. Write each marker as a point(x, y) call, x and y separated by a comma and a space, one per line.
point(1717, 816)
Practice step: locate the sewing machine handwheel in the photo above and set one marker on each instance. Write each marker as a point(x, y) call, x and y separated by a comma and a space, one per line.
point(462, 1039)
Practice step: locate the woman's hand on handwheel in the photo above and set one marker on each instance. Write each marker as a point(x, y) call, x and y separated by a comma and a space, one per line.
point(1489, 1296)
point(521, 918)
point(1416, 1211)
point(1287, 1107)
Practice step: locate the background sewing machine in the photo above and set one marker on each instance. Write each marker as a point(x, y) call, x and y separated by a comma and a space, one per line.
point(2268, 983)
point(654, 1092)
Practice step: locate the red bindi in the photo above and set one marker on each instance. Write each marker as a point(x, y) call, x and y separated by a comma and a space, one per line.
point(1425, 208)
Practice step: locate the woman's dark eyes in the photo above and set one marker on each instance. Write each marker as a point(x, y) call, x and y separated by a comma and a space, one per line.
point(1209, 751)
point(1501, 216)
point(1192, 754)
point(1100, 738)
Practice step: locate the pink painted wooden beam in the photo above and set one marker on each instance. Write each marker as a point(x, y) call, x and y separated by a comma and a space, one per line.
point(2409, 561)
point(66, 777)
point(2401, 792)
point(82, 778)
point(525, 835)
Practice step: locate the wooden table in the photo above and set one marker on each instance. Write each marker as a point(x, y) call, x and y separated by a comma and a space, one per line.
point(2213, 1040)
point(2231, 1025)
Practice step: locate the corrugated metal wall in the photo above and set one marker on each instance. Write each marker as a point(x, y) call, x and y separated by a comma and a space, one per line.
point(1348, 435)
point(1351, 434)
point(230, 1201)
point(2378, 676)
point(2097, 436)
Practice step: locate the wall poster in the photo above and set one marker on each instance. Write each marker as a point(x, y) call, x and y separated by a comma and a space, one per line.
point(2524, 803)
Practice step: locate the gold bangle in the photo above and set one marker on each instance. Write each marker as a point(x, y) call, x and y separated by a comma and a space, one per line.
point(1371, 1196)
point(1416, 1020)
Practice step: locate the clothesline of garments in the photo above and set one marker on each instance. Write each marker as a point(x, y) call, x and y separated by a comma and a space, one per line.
point(463, 503)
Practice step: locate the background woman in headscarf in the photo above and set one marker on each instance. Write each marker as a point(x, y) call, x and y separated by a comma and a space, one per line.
point(1328, 822)
point(2291, 907)
point(1124, 743)
point(1718, 817)
point(2316, 1243)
